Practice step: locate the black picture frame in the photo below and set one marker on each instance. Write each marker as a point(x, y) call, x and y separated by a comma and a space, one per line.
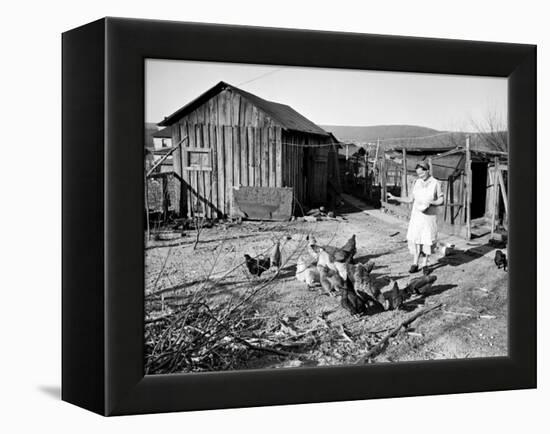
point(103, 242)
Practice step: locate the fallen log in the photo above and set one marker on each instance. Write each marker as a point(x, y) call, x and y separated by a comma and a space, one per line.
point(380, 345)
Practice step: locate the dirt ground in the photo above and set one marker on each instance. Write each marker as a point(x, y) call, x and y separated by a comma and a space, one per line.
point(471, 321)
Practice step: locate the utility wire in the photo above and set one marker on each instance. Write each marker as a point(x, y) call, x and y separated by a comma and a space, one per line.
point(260, 76)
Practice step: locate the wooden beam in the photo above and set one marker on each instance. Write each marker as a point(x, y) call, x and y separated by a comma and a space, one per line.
point(451, 186)
point(159, 162)
point(494, 198)
point(404, 182)
point(449, 182)
point(383, 176)
point(147, 208)
point(468, 170)
point(366, 171)
point(503, 191)
point(375, 165)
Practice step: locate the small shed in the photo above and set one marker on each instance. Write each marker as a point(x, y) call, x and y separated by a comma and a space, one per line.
point(228, 138)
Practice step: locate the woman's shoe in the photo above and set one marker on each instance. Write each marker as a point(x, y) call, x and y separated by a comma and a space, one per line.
point(414, 268)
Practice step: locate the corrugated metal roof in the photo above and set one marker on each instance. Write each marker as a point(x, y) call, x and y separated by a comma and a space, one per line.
point(284, 115)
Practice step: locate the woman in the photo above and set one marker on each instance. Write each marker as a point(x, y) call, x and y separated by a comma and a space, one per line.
point(425, 196)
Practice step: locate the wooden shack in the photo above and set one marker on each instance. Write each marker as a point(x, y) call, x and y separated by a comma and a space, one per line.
point(473, 178)
point(228, 138)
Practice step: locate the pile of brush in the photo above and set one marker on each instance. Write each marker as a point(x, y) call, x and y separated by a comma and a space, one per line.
point(197, 336)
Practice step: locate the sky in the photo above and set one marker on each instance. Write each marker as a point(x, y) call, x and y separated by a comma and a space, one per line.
point(330, 96)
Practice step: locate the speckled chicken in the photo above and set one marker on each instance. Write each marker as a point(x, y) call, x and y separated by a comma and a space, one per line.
point(393, 297)
point(335, 279)
point(363, 283)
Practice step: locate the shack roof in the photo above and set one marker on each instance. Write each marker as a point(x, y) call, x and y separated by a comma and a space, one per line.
point(286, 116)
point(481, 143)
point(442, 166)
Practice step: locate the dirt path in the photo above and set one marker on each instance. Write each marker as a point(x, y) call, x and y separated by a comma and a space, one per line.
point(472, 322)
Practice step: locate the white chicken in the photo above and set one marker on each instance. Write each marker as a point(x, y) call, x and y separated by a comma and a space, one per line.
point(307, 272)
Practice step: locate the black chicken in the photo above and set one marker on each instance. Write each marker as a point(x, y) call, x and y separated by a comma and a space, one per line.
point(420, 285)
point(257, 266)
point(500, 260)
point(351, 301)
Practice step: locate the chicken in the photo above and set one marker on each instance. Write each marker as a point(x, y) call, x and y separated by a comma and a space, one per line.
point(276, 255)
point(420, 285)
point(312, 247)
point(335, 280)
point(257, 266)
point(393, 297)
point(324, 279)
point(347, 251)
point(351, 301)
point(326, 259)
point(307, 272)
point(363, 283)
point(500, 260)
point(343, 254)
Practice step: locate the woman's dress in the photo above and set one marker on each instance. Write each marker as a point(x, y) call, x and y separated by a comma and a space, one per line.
point(423, 222)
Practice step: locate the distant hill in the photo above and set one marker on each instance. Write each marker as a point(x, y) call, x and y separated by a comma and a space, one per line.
point(426, 138)
point(371, 133)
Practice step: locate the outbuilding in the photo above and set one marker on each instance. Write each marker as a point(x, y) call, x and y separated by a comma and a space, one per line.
point(228, 138)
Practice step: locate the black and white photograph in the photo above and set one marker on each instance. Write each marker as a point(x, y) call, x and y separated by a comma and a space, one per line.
point(304, 217)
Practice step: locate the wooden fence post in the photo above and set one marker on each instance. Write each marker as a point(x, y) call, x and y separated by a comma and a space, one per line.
point(495, 197)
point(383, 176)
point(147, 208)
point(366, 172)
point(468, 189)
point(404, 181)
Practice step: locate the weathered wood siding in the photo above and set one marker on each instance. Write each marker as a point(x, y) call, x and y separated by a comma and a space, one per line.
point(305, 167)
point(236, 156)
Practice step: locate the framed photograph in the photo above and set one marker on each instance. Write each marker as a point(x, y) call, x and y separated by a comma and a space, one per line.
point(258, 216)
